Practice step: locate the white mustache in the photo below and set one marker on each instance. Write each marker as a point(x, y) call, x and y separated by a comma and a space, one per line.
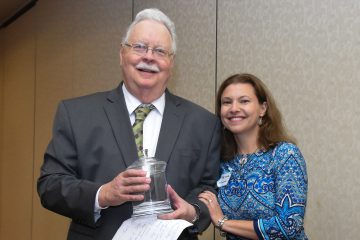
point(148, 67)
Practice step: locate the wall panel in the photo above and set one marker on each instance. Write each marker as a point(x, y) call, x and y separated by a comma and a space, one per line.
point(308, 54)
point(77, 53)
point(98, 31)
point(195, 23)
point(54, 30)
point(2, 58)
point(17, 134)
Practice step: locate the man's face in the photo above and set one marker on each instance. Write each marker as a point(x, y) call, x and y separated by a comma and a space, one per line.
point(147, 73)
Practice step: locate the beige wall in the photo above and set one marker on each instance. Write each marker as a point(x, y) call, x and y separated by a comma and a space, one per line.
point(306, 51)
point(17, 129)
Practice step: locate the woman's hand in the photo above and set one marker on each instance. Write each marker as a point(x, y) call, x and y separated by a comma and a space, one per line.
point(212, 204)
point(182, 209)
point(244, 228)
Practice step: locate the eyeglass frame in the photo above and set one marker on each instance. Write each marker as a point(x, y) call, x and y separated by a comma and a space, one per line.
point(146, 48)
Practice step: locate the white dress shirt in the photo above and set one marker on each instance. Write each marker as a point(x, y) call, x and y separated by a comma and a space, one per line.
point(151, 130)
point(152, 123)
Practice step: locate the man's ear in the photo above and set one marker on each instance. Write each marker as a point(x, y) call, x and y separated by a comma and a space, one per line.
point(121, 52)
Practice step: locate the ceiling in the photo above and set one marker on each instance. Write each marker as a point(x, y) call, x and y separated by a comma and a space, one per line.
point(9, 8)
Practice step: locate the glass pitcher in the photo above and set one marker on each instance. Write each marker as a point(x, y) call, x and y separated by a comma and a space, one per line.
point(156, 200)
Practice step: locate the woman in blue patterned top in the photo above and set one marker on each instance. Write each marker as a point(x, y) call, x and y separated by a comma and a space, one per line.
point(263, 183)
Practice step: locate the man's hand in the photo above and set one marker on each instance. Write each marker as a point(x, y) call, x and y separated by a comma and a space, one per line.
point(183, 209)
point(127, 186)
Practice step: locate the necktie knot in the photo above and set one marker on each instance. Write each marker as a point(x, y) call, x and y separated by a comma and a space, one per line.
point(142, 111)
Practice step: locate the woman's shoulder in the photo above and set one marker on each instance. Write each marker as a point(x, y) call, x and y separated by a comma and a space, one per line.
point(285, 150)
point(287, 157)
point(286, 147)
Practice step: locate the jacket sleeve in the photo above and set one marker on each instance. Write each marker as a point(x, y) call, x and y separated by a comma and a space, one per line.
point(290, 193)
point(209, 178)
point(59, 186)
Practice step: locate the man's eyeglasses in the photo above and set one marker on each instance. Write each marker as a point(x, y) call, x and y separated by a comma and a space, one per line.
point(141, 49)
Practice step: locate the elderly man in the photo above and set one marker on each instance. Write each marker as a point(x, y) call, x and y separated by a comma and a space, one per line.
point(84, 175)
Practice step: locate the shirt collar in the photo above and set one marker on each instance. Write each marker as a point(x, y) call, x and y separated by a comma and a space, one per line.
point(132, 102)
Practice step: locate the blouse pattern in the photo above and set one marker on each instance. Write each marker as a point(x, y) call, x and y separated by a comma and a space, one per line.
point(270, 188)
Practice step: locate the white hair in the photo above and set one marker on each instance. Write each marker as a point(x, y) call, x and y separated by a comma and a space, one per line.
point(156, 15)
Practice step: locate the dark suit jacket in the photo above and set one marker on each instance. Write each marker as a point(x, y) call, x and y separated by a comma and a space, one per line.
point(93, 142)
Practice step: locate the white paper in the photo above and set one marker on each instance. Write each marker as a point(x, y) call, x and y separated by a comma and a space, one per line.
point(150, 228)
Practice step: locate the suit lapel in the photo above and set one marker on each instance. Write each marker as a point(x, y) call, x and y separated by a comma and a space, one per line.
point(118, 116)
point(170, 127)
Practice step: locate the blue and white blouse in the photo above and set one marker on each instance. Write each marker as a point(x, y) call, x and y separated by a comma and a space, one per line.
point(269, 188)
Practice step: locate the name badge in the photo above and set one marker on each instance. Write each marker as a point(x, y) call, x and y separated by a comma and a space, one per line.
point(224, 179)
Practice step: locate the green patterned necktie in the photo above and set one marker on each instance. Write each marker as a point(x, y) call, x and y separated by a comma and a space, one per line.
point(140, 114)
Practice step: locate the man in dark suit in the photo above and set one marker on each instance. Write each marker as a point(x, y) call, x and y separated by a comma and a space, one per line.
point(84, 175)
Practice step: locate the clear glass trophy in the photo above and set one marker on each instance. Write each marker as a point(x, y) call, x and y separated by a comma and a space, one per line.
point(156, 200)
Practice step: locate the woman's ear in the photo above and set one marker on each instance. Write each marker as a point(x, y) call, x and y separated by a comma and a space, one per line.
point(263, 110)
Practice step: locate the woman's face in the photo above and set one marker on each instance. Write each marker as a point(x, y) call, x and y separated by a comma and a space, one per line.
point(240, 109)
